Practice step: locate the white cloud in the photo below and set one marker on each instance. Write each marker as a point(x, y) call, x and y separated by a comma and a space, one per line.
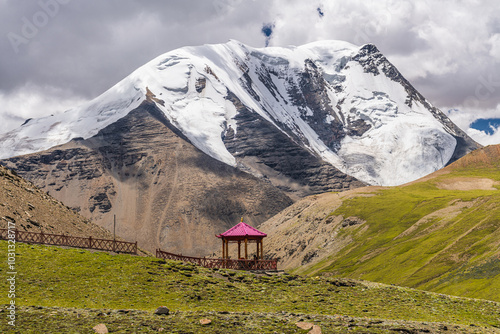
point(495, 46)
point(483, 138)
point(464, 119)
point(31, 101)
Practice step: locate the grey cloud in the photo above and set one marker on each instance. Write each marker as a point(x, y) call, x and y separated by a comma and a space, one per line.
point(89, 45)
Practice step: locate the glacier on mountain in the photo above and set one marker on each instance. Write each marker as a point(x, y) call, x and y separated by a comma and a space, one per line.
point(344, 103)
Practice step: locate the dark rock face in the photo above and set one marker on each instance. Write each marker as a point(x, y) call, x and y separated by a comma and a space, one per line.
point(358, 127)
point(200, 84)
point(276, 157)
point(313, 90)
point(164, 192)
point(310, 95)
point(100, 201)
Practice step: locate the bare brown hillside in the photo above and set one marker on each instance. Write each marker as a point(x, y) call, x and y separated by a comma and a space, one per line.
point(307, 232)
point(34, 210)
point(488, 156)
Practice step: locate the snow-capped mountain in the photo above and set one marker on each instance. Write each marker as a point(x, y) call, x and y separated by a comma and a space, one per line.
point(345, 104)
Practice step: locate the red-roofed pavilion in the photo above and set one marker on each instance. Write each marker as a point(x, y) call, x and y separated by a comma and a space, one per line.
point(242, 233)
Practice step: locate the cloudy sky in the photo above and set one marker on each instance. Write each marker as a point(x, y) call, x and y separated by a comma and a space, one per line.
point(56, 54)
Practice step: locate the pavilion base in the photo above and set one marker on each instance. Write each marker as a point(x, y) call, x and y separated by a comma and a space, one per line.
point(249, 265)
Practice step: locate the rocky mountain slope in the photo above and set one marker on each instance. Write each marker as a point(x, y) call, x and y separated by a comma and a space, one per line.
point(164, 191)
point(250, 108)
point(439, 233)
point(31, 209)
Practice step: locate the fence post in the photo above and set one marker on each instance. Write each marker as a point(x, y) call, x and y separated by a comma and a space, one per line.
point(90, 242)
point(41, 238)
point(135, 248)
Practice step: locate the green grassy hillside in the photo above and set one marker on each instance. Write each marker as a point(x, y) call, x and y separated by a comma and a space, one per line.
point(441, 233)
point(71, 290)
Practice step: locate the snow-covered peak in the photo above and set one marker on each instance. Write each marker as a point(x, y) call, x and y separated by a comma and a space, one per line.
point(344, 103)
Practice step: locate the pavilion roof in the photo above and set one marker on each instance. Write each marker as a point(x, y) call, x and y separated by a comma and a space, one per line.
point(242, 230)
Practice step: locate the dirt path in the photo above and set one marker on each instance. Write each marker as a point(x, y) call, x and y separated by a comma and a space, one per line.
point(467, 183)
point(175, 181)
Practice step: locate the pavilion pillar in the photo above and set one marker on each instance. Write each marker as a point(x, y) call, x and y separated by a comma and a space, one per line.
point(223, 248)
point(262, 249)
point(239, 249)
point(227, 249)
point(246, 249)
point(257, 256)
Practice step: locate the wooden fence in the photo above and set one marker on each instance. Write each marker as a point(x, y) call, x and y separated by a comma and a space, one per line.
point(221, 263)
point(71, 241)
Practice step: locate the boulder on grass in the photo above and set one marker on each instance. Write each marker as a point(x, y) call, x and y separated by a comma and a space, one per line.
point(304, 325)
point(162, 310)
point(315, 330)
point(100, 329)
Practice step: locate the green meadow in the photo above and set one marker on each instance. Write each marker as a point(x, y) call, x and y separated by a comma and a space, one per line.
point(72, 290)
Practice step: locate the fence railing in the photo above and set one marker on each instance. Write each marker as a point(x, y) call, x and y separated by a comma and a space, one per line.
point(71, 241)
point(221, 263)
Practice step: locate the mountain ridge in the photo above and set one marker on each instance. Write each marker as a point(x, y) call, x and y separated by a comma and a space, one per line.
point(347, 105)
